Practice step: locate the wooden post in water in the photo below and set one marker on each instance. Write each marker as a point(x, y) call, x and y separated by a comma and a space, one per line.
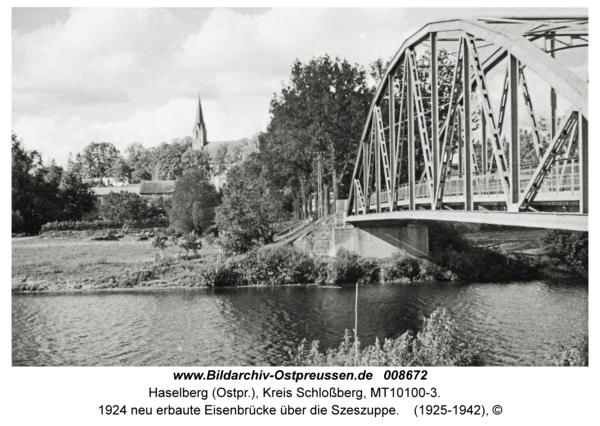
point(356, 326)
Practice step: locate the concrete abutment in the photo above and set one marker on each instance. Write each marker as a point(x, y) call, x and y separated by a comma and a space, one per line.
point(381, 241)
point(365, 239)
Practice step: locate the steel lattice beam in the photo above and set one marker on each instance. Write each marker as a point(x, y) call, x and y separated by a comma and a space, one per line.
point(500, 179)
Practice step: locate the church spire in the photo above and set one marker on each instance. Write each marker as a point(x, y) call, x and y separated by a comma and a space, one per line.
point(199, 131)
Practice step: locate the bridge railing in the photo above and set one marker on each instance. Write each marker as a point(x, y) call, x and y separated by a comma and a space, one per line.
point(563, 178)
point(487, 183)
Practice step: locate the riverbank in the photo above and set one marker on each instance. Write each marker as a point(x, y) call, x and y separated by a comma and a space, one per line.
point(67, 264)
point(59, 264)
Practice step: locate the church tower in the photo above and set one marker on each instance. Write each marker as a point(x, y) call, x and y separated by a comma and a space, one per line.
point(199, 131)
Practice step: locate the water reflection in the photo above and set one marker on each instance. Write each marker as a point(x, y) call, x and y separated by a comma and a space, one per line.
point(520, 322)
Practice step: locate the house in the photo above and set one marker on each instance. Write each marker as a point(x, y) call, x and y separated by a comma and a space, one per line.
point(219, 179)
point(157, 188)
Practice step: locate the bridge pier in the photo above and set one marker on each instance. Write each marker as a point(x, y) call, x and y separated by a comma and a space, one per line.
point(381, 241)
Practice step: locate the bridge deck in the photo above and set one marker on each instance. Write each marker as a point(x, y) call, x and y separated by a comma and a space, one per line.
point(569, 221)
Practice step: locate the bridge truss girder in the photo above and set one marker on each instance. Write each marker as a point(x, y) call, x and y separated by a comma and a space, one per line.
point(402, 135)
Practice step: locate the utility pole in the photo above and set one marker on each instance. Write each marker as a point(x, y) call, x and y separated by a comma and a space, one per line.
point(303, 198)
point(320, 184)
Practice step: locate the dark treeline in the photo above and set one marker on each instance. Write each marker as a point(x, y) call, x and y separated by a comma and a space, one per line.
point(44, 193)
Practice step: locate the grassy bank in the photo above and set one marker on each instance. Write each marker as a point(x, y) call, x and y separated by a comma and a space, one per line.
point(76, 264)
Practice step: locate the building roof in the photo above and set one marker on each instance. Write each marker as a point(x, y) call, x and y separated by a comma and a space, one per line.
point(213, 148)
point(157, 187)
point(104, 190)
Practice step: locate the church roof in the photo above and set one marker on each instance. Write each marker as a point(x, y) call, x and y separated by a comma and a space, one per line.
point(199, 117)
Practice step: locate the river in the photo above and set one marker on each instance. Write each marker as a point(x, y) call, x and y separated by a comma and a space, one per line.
point(520, 323)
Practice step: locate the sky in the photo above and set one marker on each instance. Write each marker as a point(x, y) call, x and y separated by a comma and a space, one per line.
point(133, 75)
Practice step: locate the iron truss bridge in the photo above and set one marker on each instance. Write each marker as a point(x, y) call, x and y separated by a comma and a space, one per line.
point(482, 120)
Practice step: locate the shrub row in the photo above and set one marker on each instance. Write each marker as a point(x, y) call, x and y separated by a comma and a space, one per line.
point(98, 225)
point(288, 265)
point(266, 266)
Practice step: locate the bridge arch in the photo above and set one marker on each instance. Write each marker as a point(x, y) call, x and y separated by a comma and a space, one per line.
point(420, 152)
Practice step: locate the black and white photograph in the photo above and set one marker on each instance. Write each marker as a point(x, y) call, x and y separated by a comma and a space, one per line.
point(299, 187)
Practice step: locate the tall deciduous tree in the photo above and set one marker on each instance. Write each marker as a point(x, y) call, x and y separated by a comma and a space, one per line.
point(322, 108)
point(250, 208)
point(121, 170)
point(97, 160)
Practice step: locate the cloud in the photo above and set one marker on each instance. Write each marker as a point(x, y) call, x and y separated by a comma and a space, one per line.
point(93, 57)
point(124, 75)
point(266, 45)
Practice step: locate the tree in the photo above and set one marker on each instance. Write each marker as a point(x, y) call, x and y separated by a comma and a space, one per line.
point(322, 108)
point(249, 210)
point(27, 200)
point(193, 203)
point(140, 161)
point(43, 194)
point(222, 155)
point(76, 196)
point(121, 170)
point(241, 150)
point(168, 161)
point(569, 247)
point(97, 159)
point(246, 218)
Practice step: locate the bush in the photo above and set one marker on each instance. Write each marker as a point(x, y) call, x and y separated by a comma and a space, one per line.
point(430, 271)
point(220, 275)
point(349, 268)
point(400, 266)
point(437, 344)
point(269, 266)
point(484, 265)
point(278, 265)
point(129, 207)
point(573, 354)
point(447, 236)
point(570, 248)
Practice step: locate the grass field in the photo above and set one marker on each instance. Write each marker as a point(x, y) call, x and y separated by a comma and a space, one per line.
point(78, 261)
point(38, 257)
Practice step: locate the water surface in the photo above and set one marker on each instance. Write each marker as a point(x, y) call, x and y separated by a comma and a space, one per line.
point(520, 322)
